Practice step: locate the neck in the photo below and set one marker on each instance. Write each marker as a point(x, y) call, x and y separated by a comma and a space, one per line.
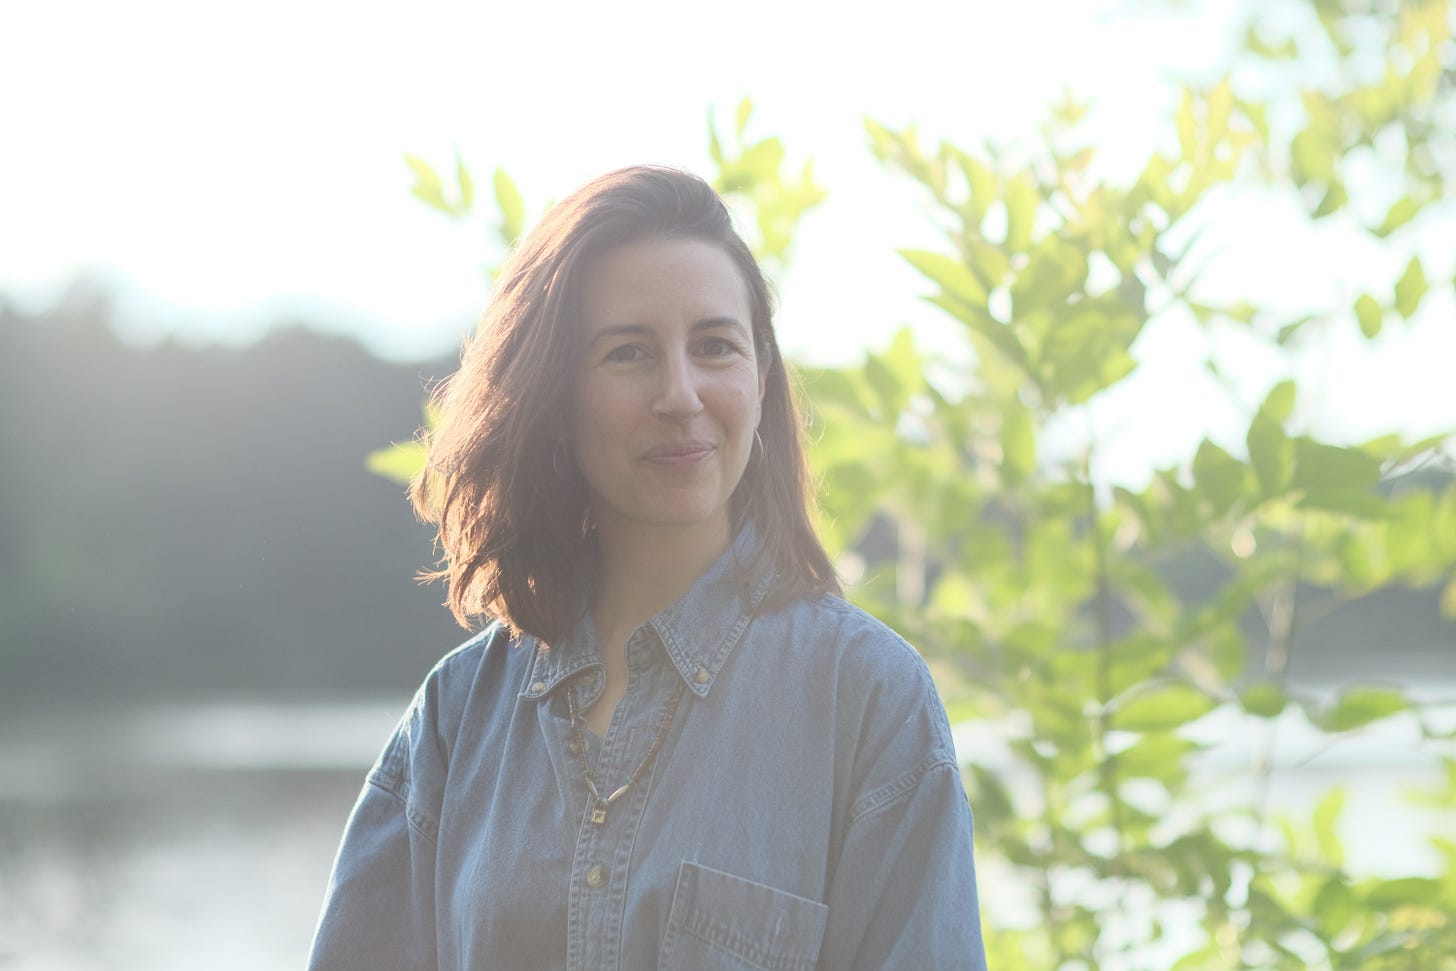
point(642, 569)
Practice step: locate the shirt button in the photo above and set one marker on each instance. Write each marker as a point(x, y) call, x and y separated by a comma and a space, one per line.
point(538, 686)
point(701, 675)
point(596, 877)
point(575, 746)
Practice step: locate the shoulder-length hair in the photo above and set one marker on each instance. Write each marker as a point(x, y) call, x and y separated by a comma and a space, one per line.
point(512, 510)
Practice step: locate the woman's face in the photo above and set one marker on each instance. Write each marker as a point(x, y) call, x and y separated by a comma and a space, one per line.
point(669, 392)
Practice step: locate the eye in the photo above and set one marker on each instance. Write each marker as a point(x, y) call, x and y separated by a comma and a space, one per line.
point(718, 347)
point(625, 354)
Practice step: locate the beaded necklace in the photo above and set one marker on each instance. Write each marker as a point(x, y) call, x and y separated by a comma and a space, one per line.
point(578, 743)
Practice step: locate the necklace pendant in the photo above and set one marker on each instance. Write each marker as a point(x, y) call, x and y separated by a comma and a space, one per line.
point(599, 813)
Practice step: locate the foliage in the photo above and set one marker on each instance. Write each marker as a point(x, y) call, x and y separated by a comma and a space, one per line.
point(750, 177)
point(1041, 592)
point(1044, 596)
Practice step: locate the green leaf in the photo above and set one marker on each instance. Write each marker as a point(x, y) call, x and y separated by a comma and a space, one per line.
point(427, 187)
point(1217, 476)
point(1220, 107)
point(1018, 443)
point(981, 187)
point(512, 209)
point(992, 798)
point(1257, 115)
point(1355, 504)
point(1263, 699)
point(1162, 708)
point(1228, 650)
point(1056, 268)
point(1330, 472)
point(886, 385)
point(883, 142)
point(1256, 44)
point(896, 373)
point(715, 144)
point(1207, 956)
point(1370, 314)
point(953, 276)
point(1410, 288)
point(1156, 755)
point(1325, 821)
point(1279, 402)
point(466, 183)
point(740, 118)
point(1021, 202)
point(834, 386)
point(953, 594)
point(1332, 201)
point(1335, 905)
point(1271, 453)
point(988, 261)
point(1137, 657)
point(1313, 157)
point(1187, 125)
point(1404, 892)
point(902, 358)
point(1358, 707)
point(760, 163)
point(997, 334)
point(1401, 212)
point(1086, 351)
point(1289, 330)
point(400, 462)
point(1067, 110)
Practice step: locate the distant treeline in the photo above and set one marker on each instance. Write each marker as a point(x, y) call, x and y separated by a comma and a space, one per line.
point(180, 521)
point(198, 520)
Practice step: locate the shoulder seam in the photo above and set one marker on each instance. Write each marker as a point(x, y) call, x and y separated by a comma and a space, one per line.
point(895, 790)
point(391, 786)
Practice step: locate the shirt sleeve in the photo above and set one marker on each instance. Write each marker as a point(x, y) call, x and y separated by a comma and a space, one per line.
point(379, 908)
point(902, 886)
point(903, 892)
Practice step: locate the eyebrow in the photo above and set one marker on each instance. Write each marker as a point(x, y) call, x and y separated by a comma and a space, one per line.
point(707, 323)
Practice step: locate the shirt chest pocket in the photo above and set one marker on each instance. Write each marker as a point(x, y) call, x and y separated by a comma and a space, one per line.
point(720, 922)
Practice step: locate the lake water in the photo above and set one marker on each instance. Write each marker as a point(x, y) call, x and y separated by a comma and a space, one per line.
point(179, 837)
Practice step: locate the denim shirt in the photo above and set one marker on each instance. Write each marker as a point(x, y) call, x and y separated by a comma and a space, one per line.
point(805, 809)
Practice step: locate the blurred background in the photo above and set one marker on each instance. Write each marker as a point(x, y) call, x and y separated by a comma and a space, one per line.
point(223, 287)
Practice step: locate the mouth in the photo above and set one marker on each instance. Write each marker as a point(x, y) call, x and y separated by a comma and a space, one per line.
point(678, 453)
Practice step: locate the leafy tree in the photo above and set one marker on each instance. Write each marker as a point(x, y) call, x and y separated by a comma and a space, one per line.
point(1046, 597)
point(1042, 594)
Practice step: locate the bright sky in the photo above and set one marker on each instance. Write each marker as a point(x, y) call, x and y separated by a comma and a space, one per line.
point(223, 167)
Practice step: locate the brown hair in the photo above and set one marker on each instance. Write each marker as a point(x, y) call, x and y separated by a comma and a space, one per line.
point(514, 525)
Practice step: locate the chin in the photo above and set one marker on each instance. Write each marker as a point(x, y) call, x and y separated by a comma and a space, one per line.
point(684, 512)
point(670, 517)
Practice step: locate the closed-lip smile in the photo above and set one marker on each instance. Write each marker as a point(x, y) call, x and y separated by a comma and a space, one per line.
point(677, 453)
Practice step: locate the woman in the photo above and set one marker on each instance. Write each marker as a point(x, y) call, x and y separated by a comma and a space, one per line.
point(675, 745)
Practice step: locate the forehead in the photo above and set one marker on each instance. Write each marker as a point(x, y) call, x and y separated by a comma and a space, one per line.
point(654, 281)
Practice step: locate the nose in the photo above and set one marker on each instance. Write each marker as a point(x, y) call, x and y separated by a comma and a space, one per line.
point(677, 390)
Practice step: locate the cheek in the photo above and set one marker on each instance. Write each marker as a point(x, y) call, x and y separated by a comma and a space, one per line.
point(602, 413)
point(748, 392)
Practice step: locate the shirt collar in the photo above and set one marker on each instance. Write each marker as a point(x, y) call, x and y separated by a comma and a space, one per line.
point(699, 631)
